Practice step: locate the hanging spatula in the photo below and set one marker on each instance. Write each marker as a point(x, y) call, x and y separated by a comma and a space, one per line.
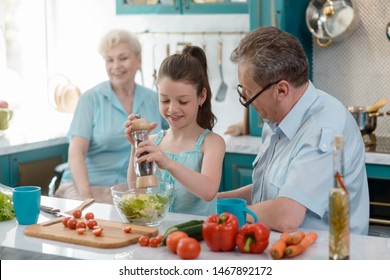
point(221, 94)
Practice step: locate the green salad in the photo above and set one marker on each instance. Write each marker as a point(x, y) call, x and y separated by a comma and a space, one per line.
point(144, 208)
point(6, 207)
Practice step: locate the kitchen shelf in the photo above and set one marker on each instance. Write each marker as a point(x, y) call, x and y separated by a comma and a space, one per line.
point(181, 7)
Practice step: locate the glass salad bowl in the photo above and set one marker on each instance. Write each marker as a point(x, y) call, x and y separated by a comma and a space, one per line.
point(146, 206)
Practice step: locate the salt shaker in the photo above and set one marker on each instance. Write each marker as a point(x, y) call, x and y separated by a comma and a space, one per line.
point(144, 170)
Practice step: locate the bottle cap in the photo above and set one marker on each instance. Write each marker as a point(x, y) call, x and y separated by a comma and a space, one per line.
point(339, 141)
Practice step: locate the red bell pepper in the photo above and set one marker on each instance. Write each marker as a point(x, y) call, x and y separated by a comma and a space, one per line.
point(220, 231)
point(253, 238)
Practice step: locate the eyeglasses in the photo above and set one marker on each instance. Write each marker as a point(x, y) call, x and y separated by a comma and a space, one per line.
point(244, 102)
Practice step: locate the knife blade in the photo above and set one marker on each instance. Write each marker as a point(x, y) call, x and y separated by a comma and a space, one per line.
point(82, 206)
point(54, 211)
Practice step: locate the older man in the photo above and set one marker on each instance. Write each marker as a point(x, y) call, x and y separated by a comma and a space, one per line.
point(293, 172)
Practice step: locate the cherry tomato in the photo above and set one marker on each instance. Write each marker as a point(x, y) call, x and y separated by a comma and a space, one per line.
point(65, 221)
point(160, 238)
point(80, 230)
point(72, 222)
point(89, 216)
point(153, 242)
point(77, 213)
point(143, 240)
point(95, 227)
point(81, 224)
point(174, 238)
point(97, 231)
point(127, 229)
point(91, 223)
point(188, 248)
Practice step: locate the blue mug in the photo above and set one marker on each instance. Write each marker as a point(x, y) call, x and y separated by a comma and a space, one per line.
point(237, 207)
point(27, 202)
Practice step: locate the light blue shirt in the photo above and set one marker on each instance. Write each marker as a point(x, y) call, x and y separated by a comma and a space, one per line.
point(296, 160)
point(184, 201)
point(99, 118)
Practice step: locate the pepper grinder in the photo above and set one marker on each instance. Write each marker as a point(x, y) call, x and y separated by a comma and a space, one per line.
point(144, 170)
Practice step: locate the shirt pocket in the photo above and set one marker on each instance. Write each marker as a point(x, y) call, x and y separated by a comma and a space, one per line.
point(277, 178)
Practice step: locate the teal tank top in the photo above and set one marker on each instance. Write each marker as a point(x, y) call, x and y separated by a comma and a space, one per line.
point(184, 201)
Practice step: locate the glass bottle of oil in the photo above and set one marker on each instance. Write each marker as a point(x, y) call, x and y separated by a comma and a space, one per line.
point(338, 207)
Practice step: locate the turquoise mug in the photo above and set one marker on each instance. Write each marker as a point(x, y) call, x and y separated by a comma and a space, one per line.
point(237, 207)
point(27, 202)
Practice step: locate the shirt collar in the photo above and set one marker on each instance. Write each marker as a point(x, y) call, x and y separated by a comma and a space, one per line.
point(293, 120)
point(110, 95)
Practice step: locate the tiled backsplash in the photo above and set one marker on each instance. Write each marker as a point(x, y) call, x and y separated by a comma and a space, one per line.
point(357, 69)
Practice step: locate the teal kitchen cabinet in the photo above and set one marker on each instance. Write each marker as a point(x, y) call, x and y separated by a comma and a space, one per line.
point(377, 171)
point(125, 7)
point(237, 171)
point(33, 167)
point(4, 170)
point(288, 15)
point(379, 191)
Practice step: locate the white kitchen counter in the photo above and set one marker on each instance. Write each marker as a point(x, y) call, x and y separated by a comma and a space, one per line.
point(251, 145)
point(29, 131)
point(15, 245)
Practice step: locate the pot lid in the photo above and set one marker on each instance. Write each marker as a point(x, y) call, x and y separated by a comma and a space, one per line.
point(328, 19)
point(341, 18)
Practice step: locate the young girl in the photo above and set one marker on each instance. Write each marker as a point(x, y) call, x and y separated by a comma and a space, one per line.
point(188, 154)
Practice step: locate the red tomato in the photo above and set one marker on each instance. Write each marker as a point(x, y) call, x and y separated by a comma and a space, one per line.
point(4, 104)
point(65, 221)
point(160, 238)
point(72, 222)
point(174, 238)
point(81, 224)
point(97, 231)
point(153, 242)
point(127, 229)
point(91, 223)
point(188, 248)
point(89, 216)
point(143, 240)
point(95, 227)
point(77, 213)
point(80, 230)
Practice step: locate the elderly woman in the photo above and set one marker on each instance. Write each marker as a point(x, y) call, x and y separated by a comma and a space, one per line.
point(98, 149)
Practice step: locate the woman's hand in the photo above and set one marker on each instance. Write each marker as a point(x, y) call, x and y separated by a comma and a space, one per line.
point(152, 153)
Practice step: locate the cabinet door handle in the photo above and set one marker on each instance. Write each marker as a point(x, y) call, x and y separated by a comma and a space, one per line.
point(186, 4)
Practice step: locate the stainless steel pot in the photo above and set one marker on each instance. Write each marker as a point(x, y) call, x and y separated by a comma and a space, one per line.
point(331, 21)
point(366, 121)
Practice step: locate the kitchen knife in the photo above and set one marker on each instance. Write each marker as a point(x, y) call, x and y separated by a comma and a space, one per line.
point(54, 211)
point(82, 206)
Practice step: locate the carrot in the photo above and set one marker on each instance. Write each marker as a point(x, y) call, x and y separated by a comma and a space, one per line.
point(277, 249)
point(294, 250)
point(295, 238)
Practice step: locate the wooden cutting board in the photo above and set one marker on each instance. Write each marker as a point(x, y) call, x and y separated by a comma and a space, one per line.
point(112, 236)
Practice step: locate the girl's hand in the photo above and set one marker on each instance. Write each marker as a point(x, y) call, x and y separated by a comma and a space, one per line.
point(154, 153)
point(128, 127)
point(128, 130)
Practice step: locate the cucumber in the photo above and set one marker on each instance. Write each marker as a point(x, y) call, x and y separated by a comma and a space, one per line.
point(194, 228)
point(194, 231)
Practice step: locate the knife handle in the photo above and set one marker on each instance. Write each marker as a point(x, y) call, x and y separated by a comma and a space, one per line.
point(82, 206)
